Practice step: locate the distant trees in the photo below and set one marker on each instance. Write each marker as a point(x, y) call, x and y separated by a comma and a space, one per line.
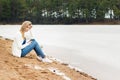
point(12, 10)
point(58, 11)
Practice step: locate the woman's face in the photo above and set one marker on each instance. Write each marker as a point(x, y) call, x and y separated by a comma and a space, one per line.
point(28, 27)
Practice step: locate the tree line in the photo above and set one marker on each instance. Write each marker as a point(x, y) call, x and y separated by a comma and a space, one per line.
point(58, 11)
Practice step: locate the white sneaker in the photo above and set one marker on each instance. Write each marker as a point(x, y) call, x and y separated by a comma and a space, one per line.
point(47, 60)
point(39, 58)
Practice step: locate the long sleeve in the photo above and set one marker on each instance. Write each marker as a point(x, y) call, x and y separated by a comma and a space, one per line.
point(17, 45)
point(29, 35)
point(19, 40)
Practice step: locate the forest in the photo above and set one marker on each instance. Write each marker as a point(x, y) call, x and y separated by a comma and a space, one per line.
point(59, 11)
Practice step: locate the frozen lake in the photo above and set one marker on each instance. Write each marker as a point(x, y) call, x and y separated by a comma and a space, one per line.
point(93, 48)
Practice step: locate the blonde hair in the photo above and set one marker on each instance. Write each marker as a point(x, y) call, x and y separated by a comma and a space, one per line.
point(24, 26)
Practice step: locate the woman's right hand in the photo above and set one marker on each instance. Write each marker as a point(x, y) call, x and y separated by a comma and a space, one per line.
point(29, 42)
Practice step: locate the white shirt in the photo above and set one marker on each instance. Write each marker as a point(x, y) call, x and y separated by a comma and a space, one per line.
point(17, 43)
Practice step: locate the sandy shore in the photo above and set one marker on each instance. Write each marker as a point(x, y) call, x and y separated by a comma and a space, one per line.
point(29, 68)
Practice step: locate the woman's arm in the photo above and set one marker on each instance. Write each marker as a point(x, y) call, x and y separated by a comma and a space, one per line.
point(29, 35)
point(19, 40)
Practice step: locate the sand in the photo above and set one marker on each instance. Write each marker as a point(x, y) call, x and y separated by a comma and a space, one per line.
point(29, 68)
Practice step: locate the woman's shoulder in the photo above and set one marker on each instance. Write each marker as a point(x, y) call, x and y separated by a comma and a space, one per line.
point(18, 34)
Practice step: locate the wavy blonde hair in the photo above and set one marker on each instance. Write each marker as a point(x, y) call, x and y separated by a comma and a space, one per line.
point(24, 25)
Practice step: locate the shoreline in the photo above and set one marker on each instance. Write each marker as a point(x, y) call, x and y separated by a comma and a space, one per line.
point(107, 22)
point(57, 67)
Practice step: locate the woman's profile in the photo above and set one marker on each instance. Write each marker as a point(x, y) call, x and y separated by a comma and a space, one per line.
point(24, 43)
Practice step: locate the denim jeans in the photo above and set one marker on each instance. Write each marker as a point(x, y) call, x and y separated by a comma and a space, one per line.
point(33, 46)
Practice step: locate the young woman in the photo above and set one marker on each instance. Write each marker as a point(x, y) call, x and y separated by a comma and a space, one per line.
point(24, 43)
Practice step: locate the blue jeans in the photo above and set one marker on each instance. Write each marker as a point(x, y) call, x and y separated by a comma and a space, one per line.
point(33, 46)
